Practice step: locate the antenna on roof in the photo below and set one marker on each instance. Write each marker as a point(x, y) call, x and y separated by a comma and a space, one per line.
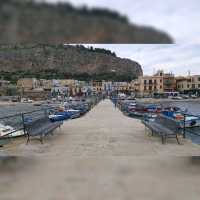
point(189, 72)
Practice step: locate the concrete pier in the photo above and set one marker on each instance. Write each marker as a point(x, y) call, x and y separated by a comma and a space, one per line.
point(101, 156)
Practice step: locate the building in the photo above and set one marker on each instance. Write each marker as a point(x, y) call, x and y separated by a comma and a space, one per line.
point(148, 85)
point(36, 95)
point(97, 86)
point(107, 86)
point(46, 84)
point(67, 82)
point(189, 84)
point(169, 82)
point(28, 83)
point(4, 85)
point(159, 83)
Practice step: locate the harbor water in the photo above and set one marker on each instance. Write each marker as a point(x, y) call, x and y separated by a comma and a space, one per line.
point(193, 107)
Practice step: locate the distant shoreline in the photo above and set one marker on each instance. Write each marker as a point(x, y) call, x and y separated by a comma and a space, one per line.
point(147, 100)
point(152, 100)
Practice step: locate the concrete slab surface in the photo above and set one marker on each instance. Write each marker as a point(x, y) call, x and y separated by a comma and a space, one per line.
point(101, 156)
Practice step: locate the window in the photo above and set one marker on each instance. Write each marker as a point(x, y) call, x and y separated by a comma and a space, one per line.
point(145, 88)
point(193, 86)
point(155, 81)
point(150, 81)
point(188, 86)
point(160, 87)
point(198, 85)
point(150, 88)
point(160, 80)
point(199, 79)
point(145, 82)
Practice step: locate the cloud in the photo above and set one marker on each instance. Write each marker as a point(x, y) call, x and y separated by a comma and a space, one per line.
point(178, 58)
point(177, 17)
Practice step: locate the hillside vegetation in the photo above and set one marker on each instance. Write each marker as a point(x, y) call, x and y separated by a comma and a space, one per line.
point(64, 61)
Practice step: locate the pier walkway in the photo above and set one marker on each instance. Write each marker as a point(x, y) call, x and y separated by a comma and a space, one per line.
point(101, 156)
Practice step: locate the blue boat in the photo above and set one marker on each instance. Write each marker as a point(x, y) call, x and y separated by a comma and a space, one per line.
point(59, 116)
point(65, 115)
point(74, 113)
point(56, 118)
point(185, 119)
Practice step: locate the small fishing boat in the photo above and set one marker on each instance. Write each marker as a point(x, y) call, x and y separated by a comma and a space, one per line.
point(74, 113)
point(57, 117)
point(9, 132)
point(191, 121)
point(142, 110)
point(60, 116)
point(177, 114)
point(65, 115)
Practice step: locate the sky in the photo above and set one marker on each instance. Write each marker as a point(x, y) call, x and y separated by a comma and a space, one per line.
point(176, 58)
point(177, 17)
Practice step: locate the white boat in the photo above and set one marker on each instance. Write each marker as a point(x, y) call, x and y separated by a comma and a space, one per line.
point(26, 100)
point(191, 121)
point(8, 131)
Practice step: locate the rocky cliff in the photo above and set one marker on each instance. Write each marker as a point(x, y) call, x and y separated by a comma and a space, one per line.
point(25, 22)
point(64, 61)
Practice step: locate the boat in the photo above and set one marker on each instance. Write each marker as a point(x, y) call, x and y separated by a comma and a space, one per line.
point(185, 119)
point(65, 115)
point(74, 113)
point(144, 110)
point(9, 132)
point(191, 121)
point(57, 117)
point(26, 100)
point(37, 104)
point(60, 116)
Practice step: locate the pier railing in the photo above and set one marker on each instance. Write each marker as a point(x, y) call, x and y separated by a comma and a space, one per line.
point(12, 124)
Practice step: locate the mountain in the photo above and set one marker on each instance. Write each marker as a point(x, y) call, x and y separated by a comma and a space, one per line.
point(30, 22)
point(64, 61)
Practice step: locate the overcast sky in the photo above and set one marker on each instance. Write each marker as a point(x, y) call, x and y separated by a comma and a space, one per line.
point(177, 17)
point(176, 58)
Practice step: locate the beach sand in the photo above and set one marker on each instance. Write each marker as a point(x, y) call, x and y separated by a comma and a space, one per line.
point(103, 155)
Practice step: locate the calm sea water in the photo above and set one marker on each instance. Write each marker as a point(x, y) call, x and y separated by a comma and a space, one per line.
point(15, 109)
point(193, 107)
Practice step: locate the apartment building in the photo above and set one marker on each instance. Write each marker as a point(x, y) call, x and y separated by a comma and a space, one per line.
point(189, 84)
point(46, 84)
point(148, 85)
point(3, 87)
point(97, 86)
point(28, 83)
point(159, 83)
point(169, 82)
